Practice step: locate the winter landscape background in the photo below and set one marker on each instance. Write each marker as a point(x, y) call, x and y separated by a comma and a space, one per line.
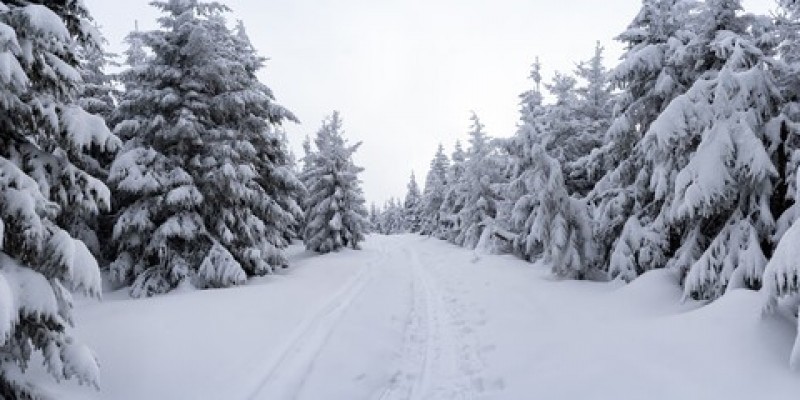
point(624, 227)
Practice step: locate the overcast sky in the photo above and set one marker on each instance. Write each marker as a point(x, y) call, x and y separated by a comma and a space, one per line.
point(405, 73)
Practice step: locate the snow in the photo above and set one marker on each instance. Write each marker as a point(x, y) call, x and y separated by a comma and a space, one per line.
point(81, 363)
point(185, 225)
point(11, 72)
point(46, 21)
point(84, 271)
point(8, 311)
point(64, 70)
point(131, 176)
point(782, 271)
point(85, 130)
point(22, 290)
point(220, 268)
point(410, 317)
point(184, 195)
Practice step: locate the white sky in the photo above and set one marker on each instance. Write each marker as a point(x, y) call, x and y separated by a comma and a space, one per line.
point(406, 73)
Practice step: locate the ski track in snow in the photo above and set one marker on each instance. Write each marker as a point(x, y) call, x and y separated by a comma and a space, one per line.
point(440, 357)
point(288, 371)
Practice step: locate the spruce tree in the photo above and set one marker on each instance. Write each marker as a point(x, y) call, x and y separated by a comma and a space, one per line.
point(519, 194)
point(478, 188)
point(391, 220)
point(453, 202)
point(782, 280)
point(276, 167)
point(335, 213)
point(203, 175)
point(785, 129)
point(575, 124)
point(135, 54)
point(47, 141)
point(559, 224)
point(98, 96)
point(563, 140)
point(692, 181)
point(592, 114)
point(434, 192)
point(649, 77)
point(543, 218)
point(712, 170)
point(411, 206)
point(374, 218)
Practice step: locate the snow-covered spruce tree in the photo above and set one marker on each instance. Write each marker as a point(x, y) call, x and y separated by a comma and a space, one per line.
point(652, 73)
point(289, 193)
point(693, 193)
point(374, 218)
point(781, 280)
point(391, 220)
point(449, 222)
point(709, 154)
point(306, 164)
point(434, 192)
point(519, 195)
point(335, 213)
point(411, 206)
point(276, 166)
point(46, 138)
point(135, 54)
point(478, 187)
point(98, 97)
point(559, 224)
point(785, 129)
point(381, 226)
point(563, 139)
point(592, 114)
point(200, 174)
point(395, 218)
point(574, 125)
point(595, 95)
point(544, 220)
point(98, 93)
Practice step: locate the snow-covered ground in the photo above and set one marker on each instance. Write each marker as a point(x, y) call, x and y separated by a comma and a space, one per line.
point(415, 318)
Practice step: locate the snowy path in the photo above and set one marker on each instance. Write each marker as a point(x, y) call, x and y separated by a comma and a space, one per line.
point(440, 358)
point(410, 318)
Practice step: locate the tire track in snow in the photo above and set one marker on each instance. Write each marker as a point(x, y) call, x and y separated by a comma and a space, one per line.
point(440, 358)
point(288, 371)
